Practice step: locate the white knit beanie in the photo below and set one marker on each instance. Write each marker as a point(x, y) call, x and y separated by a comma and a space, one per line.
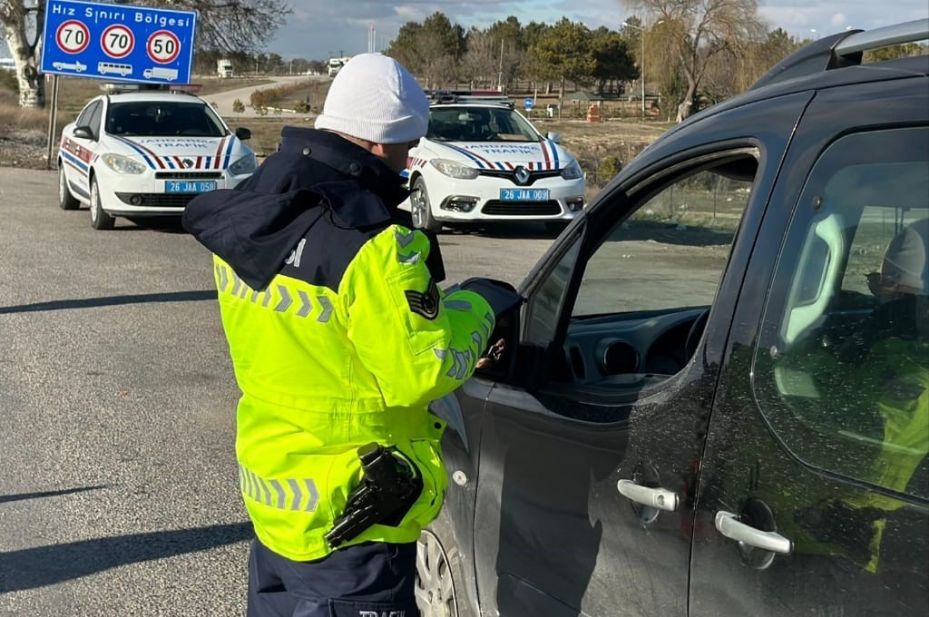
point(375, 98)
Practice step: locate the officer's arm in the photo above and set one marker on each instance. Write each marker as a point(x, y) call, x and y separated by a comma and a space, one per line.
point(418, 342)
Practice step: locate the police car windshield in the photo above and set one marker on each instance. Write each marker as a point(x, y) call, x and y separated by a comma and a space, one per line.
point(162, 118)
point(479, 124)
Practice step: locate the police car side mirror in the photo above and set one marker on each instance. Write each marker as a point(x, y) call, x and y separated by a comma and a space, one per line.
point(243, 133)
point(83, 132)
point(555, 137)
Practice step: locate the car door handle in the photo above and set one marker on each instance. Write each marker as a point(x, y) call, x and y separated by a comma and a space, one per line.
point(730, 526)
point(659, 498)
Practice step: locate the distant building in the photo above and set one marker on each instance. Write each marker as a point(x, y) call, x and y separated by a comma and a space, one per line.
point(7, 64)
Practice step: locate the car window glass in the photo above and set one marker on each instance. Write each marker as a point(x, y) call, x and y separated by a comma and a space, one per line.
point(94, 121)
point(160, 118)
point(84, 118)
point(670, 252)
point(548, 299)
point(479, 124)
point(842, 368)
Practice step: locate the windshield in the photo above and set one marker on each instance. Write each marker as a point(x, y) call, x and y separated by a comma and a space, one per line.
point(162, 118)
point(479, 124)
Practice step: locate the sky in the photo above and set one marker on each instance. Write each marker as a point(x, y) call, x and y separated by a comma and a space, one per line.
point(318, 29)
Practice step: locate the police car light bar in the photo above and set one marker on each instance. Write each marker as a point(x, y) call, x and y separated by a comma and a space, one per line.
point(439, 97)
point(119, 88)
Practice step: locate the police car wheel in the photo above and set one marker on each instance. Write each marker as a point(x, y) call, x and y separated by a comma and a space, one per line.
point(421, 209)
point(66, 201)
point(98, 218)
point(435, 583)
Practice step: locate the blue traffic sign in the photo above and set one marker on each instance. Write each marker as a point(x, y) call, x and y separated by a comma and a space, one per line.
point(528, 103)
point(118, 42)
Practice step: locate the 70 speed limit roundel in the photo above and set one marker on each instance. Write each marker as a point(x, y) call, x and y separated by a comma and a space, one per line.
point(117, 41)
point(163, 47)
point(72, 36)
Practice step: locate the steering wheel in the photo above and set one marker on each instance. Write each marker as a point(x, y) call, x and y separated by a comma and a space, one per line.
point(694, 334)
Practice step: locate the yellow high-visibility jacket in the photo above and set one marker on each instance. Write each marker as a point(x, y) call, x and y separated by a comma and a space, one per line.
point(347, 343)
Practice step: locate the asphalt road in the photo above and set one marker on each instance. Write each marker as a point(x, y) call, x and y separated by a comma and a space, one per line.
point(223, 101)
point(118, 486)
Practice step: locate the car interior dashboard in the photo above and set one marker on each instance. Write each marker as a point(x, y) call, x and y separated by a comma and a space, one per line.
point(617, 356)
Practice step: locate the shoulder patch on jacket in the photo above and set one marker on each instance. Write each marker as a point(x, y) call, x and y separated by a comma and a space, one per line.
point(424, 303)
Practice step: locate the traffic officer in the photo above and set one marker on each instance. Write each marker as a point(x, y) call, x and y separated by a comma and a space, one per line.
point(339, 337)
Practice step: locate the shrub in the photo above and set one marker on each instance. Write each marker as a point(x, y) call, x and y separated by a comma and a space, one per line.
point(238, 106)
point(609, 167)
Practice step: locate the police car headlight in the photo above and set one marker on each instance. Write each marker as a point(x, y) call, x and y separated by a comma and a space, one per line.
point(455, 170)
point(122, 164)
point(245, 165)
point(572, 171)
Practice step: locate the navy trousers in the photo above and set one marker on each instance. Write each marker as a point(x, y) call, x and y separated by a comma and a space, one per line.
point(368, 580)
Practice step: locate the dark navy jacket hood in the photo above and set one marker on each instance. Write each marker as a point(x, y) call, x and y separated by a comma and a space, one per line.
point(315, 176)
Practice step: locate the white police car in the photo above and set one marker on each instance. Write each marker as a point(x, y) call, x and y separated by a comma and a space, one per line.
point(483, 162)
point(147, 153)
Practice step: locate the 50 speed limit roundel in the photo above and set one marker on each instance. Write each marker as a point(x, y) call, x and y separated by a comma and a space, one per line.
point(163, 47)
point(72, 36)
point(117, 41)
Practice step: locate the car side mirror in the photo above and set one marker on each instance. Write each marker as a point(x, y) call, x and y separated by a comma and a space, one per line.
point(84, 132)
point(243, 133)
point(555, 137)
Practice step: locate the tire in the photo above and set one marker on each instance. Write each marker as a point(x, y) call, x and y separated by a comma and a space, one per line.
point(439, 574)
point(98, 218)
point(421, 209)
point(66, 200)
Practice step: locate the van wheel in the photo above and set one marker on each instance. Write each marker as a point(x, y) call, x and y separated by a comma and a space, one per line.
point(66, 200)
point(98, 218)
point(421, 209)
point(438, 573)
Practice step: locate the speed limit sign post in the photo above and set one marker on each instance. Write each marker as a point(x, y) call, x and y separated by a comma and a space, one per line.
point(105, 41)
point(118, 42)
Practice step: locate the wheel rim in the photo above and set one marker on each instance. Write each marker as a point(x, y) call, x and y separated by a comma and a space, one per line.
point(418, 201)
point(435, 589)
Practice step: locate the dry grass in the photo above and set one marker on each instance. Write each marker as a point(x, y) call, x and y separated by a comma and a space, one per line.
point(13, 118)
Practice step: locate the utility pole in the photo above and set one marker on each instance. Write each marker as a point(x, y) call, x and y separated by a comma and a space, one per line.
point(500, 73)
point(642, 60)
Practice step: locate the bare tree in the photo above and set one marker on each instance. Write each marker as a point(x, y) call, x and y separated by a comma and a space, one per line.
point(698, 30)
point(21, 21)
point(233, 25)
point(225, 25)
point(480, 63)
